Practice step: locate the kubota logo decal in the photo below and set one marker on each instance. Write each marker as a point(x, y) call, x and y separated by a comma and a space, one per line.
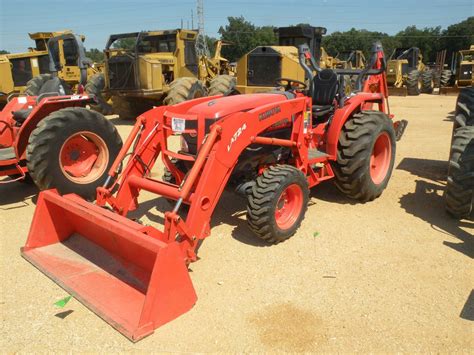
point(236, 135)
point(273, 111)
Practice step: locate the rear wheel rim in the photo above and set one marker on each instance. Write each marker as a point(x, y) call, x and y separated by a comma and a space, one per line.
point(83, 157)
point(380, 158)
point(289, 206)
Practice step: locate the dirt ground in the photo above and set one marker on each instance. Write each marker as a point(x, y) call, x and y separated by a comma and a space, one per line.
point(395, 274)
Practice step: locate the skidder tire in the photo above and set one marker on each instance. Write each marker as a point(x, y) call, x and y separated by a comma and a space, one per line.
point(33, 86)
point(366, 155)
point(95, 85)
point(414, 83)
point(460, 186)
point(277, 203)
point(222, 85)
point(72, 150)
point(184, 89)
point(427, 82)
point(446, 78)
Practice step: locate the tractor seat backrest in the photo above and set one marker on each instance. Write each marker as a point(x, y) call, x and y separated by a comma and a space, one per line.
point(324, 87)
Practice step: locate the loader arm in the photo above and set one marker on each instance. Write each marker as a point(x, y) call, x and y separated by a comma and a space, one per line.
point(212, 167)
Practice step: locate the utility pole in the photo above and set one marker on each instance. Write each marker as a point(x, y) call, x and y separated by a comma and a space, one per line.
point(201, 43)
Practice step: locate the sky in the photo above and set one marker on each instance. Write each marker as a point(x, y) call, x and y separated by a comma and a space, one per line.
point(98, 19)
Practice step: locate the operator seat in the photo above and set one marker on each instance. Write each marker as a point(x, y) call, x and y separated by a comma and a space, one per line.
point(323, 92)
point(53, 86)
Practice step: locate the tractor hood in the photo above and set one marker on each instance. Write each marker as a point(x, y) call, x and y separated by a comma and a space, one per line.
point(227, 105)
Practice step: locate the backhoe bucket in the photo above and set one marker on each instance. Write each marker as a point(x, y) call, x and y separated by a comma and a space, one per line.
point(133, 281)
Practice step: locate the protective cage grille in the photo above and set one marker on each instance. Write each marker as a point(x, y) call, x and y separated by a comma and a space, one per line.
point(122, 73)
point(263, 69)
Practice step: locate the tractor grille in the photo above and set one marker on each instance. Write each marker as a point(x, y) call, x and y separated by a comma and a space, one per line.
point(122, 73)
point(21, 71)
point(465, 72)
point(263, 67)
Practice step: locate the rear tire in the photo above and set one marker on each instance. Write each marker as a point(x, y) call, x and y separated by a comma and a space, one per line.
point(34, 86)
point(222, 85)
point(72, 138)
point(427, 79)
point(184, 89)
point(277, 203)
point(366, 155)
point(414, 83)
point(460, 183)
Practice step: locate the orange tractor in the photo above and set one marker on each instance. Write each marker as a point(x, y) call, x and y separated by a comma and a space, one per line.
point(53, 139)
point(271, 146)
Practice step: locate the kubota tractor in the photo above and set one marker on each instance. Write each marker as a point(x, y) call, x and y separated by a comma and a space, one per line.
point(53, 139)
point(151, 68)
point(273, 147)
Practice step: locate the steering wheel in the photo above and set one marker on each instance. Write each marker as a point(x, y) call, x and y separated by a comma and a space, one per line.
point(290, 84)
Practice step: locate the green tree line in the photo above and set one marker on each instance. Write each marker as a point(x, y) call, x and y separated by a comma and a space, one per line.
point(430, 40)
point(245, 36)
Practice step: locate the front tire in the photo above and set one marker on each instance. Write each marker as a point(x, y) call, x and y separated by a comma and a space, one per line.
point(222, 85)
point(277, 203)
point(366, 155)
point(72, 150)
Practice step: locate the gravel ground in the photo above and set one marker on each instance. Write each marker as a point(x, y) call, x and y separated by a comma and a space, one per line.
point(391, 275)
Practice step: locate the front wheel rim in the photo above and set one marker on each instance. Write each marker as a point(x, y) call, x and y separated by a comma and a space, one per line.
point(380, 158)
point(289, 206)
point(83, 157)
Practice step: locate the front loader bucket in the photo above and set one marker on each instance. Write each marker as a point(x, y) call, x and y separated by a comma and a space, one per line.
point(133, 281)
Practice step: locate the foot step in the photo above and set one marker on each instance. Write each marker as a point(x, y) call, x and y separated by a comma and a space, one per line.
point(315, 154)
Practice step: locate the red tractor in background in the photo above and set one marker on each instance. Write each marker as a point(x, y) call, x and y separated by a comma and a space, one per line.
point(272, 146)
point(53, 138)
